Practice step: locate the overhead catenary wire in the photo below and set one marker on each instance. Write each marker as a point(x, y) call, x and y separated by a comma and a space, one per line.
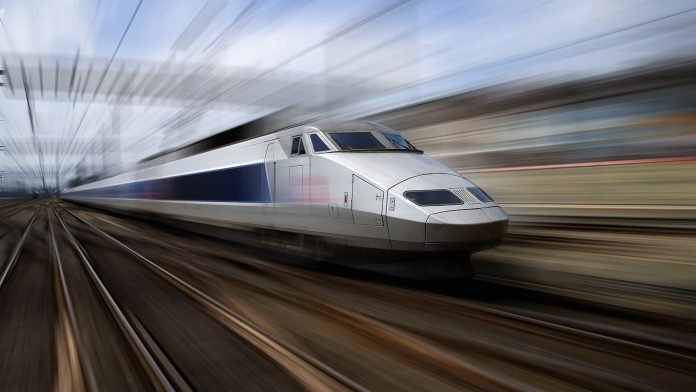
point(101, 80)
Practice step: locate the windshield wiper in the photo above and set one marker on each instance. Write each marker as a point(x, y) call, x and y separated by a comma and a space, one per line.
point(381, 150)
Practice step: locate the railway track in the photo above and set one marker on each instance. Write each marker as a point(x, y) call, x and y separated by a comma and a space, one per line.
point(308, 371)
point(114, 304)
point(541, 325)
point(43, 344)
point(677, 347)
point(6, 213)
point(643, 364)
point(16, 253)
point(144, 354)
point(28, 313)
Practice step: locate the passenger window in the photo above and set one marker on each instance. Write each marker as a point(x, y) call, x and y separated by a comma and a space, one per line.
point(297, 146)
point(317, 143)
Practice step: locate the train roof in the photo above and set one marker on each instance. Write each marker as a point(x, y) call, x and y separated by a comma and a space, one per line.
point(262, 126)
point(345, 125)
point(257, 128)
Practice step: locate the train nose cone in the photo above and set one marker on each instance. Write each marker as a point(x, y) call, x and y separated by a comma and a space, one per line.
point(469, 229)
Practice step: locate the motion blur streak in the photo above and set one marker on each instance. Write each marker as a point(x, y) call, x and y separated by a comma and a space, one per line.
point(577, 117)
point(599, 177)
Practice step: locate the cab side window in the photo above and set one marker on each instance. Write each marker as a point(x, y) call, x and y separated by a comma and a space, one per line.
point(297, 146)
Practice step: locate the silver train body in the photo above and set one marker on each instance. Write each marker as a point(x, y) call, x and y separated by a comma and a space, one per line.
point(356, 193)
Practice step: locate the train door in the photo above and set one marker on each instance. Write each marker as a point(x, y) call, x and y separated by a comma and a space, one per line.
point(367, 203)
point(270, 165)
point(299, 175)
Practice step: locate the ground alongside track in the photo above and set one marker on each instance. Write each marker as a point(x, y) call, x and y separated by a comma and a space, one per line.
point(94, 301)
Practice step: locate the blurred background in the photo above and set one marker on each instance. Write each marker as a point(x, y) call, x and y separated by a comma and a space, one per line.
point(578, 117)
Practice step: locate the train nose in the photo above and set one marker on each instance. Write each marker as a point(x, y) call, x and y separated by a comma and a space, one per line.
point(443, 212)
point(472, 229)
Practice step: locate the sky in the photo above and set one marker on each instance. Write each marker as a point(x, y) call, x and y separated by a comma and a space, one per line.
point(417, 49)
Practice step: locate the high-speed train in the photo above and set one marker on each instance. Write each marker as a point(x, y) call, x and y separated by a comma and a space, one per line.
point(355, 193)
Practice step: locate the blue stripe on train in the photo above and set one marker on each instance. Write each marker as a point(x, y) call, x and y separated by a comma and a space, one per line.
point(242, 184)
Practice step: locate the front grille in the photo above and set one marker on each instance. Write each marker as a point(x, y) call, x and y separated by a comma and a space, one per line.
point(465, 195)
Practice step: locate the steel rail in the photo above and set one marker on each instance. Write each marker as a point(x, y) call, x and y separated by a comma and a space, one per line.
point(510, 315)
point(503, 318)
point(152, 366)
point(576, 330)
point(256, 335)
point(64, 297)
point(17, 251)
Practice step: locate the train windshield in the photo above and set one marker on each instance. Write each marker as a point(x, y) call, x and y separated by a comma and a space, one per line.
point(370, 141)
point(399, 141)
point(357, 141)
